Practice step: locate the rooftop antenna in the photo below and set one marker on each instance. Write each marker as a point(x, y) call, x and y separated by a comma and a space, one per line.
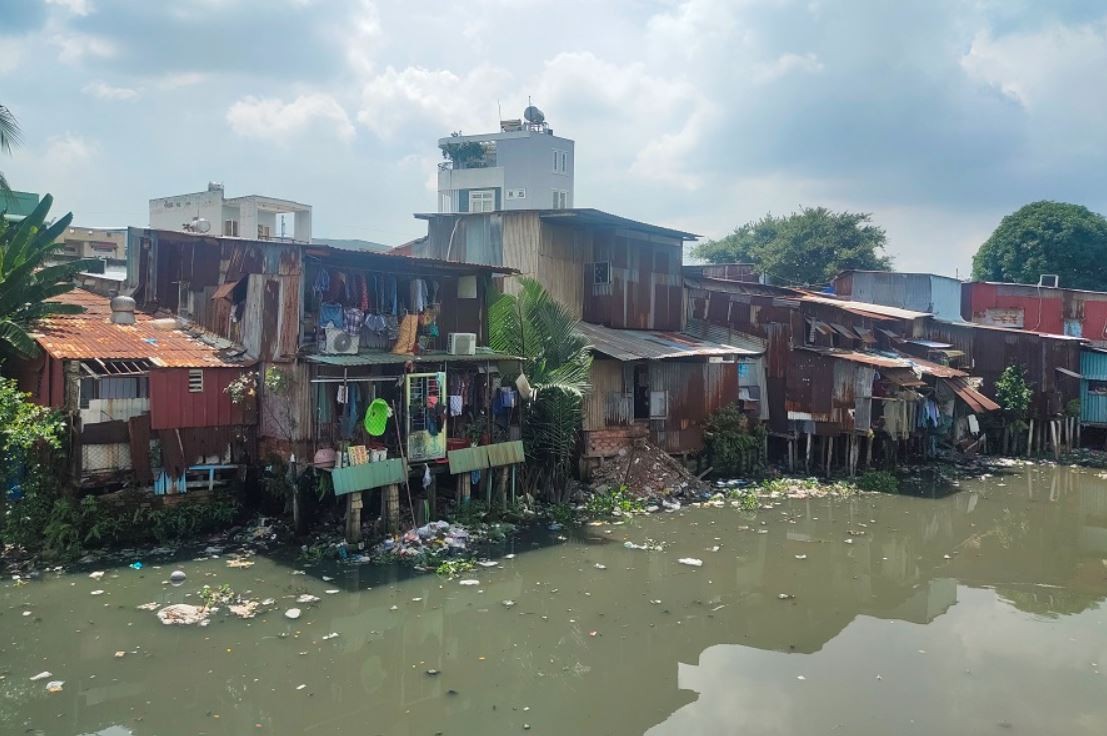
point(499, 111)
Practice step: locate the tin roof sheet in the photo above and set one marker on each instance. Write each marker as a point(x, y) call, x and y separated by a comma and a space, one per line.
point(657, 345)
point(864, 308)
point(92, 335)
point(482, 355)
point(977, 401)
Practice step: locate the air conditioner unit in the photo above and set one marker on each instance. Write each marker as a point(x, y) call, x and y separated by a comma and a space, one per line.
point(1049, 280)
point(463, 343)
point(340, 342)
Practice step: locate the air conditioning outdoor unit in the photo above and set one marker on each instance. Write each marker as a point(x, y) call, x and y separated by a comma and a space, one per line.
point(340, 342)
point(463, 343)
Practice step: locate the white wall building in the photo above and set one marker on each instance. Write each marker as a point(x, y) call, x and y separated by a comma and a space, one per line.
point(252, 216)
point(523, 167)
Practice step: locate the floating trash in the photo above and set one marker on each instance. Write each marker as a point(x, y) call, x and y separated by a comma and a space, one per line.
point(690, 561)
point(292, 614)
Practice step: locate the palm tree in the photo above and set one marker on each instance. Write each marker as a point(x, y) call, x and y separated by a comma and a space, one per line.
point(10, 135)
point(557, 361)
point(27, 282)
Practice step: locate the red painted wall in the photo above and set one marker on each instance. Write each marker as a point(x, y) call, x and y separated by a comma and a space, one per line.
point(173, 406)
point(1053, 308)
point(1039, 315)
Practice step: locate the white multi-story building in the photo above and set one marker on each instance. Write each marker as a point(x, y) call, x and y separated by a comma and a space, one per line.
point(252, 216)
point(523, 167)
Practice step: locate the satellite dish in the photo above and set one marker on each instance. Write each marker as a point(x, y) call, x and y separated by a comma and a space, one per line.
point(533, 115)
point(199, 225)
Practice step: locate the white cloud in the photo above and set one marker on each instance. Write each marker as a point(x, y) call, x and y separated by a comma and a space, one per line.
point(274, 120)
point(68, 151)
point(77, 7)
point(1037, 68)
point(438, 97)
point(11, 54)
point(182, 79)
point(104, 91)
point(73, 48)
point(786, 64)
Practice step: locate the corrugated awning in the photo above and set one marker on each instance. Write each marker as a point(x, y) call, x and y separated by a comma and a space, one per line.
point(905, 377)
point(977, 401)
point(656, 345)
point(844, 331)
point(224, 290)
point(482, 355)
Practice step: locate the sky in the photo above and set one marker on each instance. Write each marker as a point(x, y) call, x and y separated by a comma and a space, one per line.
point(937, 116)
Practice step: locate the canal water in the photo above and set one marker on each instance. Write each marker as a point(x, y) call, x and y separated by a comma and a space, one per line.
point(977, 612)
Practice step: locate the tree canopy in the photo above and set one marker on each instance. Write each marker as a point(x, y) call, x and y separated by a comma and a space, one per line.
point(806, 247)
point(9, 136)
point(1046, 238)
point(27, 279)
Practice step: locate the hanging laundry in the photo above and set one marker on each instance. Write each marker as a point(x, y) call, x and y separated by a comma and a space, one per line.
point(405, 341)
point(456, 405)
point(419, 297)
point(322, 282)
point(351, 413)
point(343, 392)
point(331, 314)
point(354, 318)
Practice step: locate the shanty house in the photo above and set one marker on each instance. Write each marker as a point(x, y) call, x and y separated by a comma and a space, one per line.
point(919, 292)
point(622, 278)
point(145, 399)
point(334, 330)
point(1046, 309)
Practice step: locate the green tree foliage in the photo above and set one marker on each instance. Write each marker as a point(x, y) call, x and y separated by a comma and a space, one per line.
point(1012, 393)
point(806, 247)
point(1046, 237)
point(734, 443)
point(9, 136)
point(27, 281)
point(557, 361)
point(30, 436)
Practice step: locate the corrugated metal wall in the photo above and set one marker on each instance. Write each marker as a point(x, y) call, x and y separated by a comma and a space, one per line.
point(607, 404)
point(1093, 405)
point(173, 406)
point(694, 391)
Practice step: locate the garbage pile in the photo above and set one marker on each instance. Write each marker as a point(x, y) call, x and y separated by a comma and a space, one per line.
point(436, 538)
point(647, 471)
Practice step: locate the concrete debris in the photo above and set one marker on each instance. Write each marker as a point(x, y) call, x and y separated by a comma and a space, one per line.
point(247, 609)
point(183, 614)
point(647, 471)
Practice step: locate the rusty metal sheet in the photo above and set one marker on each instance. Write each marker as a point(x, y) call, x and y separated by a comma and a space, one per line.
point(654, 345)
point(92, 335)
point(139, 435)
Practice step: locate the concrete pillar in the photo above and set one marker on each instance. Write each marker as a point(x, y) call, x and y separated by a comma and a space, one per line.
point(390, 508)
point(353, 517)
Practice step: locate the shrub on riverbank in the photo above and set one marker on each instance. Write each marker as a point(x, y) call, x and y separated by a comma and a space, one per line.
point(734, 443)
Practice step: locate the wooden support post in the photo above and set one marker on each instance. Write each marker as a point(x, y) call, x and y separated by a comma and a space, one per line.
point(1030, 439)
point(791, 454)
point(501, 485)
point(829, 454)
point(390, 508)
point(1055, 431)
point(869, 450)
point(464, 487)
point(807, 464)
point(432, 496)
point(353, 517)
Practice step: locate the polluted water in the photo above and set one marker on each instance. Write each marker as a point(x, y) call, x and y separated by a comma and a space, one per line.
point(979, 611)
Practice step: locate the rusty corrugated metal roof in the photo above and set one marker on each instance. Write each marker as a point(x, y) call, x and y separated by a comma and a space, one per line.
point(657, 345)
point(92, 335)
point(977, 401)
point(864, 308)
